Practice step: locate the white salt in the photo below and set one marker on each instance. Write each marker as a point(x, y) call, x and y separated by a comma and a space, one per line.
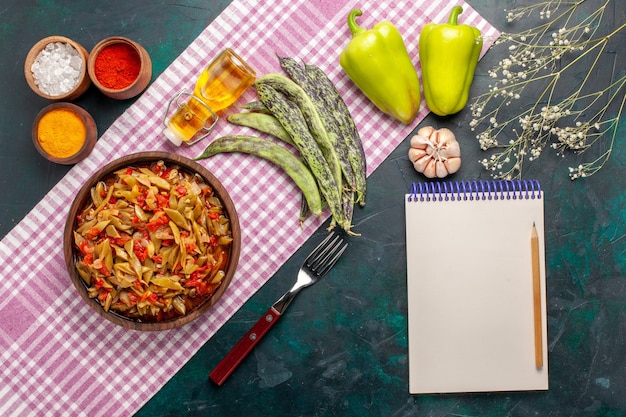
point(57, 68)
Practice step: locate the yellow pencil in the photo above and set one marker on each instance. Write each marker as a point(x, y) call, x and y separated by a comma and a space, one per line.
point(534, 246)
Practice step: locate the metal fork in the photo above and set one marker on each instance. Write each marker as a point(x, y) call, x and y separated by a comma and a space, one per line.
point(314, 267)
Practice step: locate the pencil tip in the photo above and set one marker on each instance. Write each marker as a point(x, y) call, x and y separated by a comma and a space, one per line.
point(533, 224)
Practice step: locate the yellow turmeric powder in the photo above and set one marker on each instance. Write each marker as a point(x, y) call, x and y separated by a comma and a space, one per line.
point(61, 132)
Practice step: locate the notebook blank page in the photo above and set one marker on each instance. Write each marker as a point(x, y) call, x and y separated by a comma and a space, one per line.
point(470, 298)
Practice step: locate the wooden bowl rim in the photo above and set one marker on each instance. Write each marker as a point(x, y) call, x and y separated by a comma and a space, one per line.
point(34, 52)
point(140, 158)
point(91, 133)
point(144, 60)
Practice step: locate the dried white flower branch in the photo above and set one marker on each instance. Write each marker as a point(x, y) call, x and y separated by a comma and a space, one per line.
point(540, 57)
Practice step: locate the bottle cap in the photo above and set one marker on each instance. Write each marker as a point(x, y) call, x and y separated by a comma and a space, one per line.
point(172, 136)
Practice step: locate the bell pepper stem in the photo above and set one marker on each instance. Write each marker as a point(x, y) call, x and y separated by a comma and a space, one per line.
point(355, 29)
point(454, 15)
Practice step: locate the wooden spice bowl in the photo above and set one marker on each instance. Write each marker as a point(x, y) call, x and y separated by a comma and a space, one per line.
point(59, 134)
point(83, 199)
point(83, 82)
point(136, 52)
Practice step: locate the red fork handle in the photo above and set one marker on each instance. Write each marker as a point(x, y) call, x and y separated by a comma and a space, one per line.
point(245, 345)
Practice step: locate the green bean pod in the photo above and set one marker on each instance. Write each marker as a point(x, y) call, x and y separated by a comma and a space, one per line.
point(292, 119)
point(276, 154)
point(263, 122)
point(255, 106)
point(347, 199)
point(356, 154)
point(298, 74)
point(296, 94)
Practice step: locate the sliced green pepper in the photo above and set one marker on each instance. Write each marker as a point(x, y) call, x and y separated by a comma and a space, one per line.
point(448, 53)
point(377, 61)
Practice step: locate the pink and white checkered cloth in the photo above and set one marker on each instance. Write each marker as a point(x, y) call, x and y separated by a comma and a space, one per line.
point(61, 358)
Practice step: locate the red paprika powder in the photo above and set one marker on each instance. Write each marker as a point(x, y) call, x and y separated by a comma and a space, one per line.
point(117, 66)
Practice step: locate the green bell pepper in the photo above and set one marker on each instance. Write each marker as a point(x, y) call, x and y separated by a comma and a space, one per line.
point(377, 61)
point(448, 54)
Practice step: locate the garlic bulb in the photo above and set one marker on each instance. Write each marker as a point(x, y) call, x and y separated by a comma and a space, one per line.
point(435, 153)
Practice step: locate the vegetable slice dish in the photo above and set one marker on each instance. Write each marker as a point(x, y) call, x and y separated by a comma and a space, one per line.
point(153, 243)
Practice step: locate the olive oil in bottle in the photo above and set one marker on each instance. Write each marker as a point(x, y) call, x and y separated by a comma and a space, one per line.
point(224, 80)
point(219, 85)
point(188, 120)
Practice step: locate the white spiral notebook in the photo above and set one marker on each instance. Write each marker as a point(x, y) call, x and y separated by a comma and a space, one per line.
point(476, 291)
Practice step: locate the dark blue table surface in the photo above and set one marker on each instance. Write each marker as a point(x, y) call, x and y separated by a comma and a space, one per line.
point(342, 348)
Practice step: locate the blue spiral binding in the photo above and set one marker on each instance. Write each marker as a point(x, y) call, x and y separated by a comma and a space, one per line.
point(475, 190)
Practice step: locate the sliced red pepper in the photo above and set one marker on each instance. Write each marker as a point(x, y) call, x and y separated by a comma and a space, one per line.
point(133, 298)
point(141, 199)
point(85, 247)
point(92, 233)
point(140, 251)
point(121, 241)
point(181, 190)
point(99, 283)
point(159, 219)
point(198, 273)
point(198, 284)
point(105, 271)
point(149, 296)
point(162, 201)
point(88, 259)
point(166, 173)
point(156, 168)
point(201, 286)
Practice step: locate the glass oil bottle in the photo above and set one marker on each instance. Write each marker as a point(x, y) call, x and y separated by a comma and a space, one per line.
point(219, 85)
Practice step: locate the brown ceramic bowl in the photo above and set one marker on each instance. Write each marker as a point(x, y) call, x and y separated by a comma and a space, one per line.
point(83, 82)
point(84, 196)
point(134, 52)
point(77, 153)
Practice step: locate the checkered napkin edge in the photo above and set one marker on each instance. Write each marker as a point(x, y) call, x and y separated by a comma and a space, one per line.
point(61, 358)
